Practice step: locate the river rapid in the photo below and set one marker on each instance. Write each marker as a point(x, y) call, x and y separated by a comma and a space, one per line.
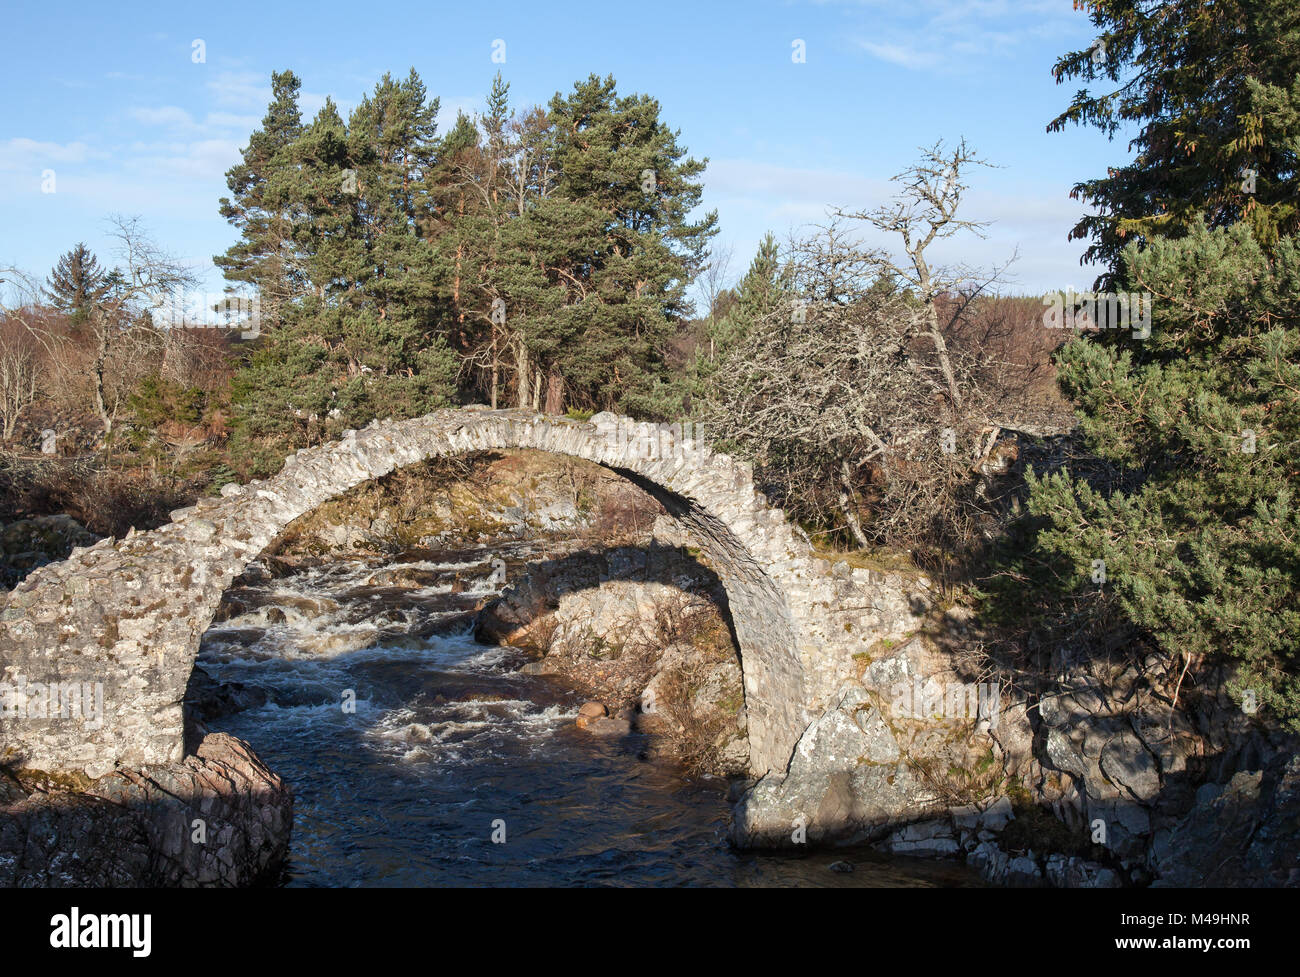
point(418, 757)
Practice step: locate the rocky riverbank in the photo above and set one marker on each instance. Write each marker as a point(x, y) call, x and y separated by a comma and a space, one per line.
point(1090, 777)
point(218, 818)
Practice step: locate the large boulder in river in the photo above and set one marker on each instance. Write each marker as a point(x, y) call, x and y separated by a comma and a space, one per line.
point(644, 630)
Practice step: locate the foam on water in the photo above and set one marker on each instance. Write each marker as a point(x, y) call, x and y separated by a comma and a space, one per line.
point(448, 740)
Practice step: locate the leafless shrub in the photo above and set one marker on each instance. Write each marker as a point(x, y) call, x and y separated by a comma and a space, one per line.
point(541, 634)
point(195, 358)
point(112, 502)
point(119, 343)
point(108, 503)
point(697, 729)
point(714, 278)
point(958, 784)
point(696, 733)
point(21, 371)
point(693, 619)
point(874, 405)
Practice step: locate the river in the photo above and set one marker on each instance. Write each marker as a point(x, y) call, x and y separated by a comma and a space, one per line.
point(420, 758)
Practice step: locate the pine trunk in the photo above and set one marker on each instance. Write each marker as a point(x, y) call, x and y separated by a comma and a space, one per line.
point(521, 368)
point(554, 392)
point(495, 367)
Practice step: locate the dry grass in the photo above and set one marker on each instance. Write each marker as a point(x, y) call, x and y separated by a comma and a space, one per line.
point(107, 502)
point(957, 785)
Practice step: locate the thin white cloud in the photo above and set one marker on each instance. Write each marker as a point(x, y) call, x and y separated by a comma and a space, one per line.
point(21, 152)
point(898, 54)
point(178, 120)
point(746, 178)
point(758, 196)
point(205, 160)
point(230, 120)
point(164, 115)
point(951, 35)
point(251, 92)
point(241, 89)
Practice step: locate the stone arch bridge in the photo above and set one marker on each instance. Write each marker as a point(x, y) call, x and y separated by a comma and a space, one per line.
point(127, 615)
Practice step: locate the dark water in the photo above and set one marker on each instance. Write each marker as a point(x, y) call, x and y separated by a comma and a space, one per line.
point(449, 746)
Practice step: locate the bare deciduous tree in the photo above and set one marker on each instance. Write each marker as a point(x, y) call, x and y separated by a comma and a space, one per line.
point(122, 341)
point(714, 277)
point(874, 390)
point(121, 326)
point(925, 212)
point(20, 374)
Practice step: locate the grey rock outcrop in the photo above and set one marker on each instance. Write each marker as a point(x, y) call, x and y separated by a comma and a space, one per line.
point(1245, 833)
point(218, 818)
point(640, 627)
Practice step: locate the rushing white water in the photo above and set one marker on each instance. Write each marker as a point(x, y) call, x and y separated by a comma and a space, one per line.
point(418, 757)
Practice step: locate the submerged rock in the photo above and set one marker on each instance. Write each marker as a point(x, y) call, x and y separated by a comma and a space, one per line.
point(207, 699)
point(590, 711)
point(607, 726)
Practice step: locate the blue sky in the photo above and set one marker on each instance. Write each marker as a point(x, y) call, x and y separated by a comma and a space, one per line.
point(110, 98)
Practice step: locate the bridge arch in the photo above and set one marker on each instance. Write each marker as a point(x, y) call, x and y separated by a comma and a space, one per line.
point(129, 614)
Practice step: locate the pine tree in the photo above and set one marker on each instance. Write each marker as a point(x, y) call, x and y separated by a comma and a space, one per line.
point(479, 204)
point(1200, 541)
point(77, 283)
point(1214, 92)
point(392, 137)
point(763, 292)
point(462, 229)
point(528, 175)
point(368, 340)
point(408, 246)
point(615, 249)
point(262, 206)
point(1191, 521)
point(1189, 525)
point(323, 191)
